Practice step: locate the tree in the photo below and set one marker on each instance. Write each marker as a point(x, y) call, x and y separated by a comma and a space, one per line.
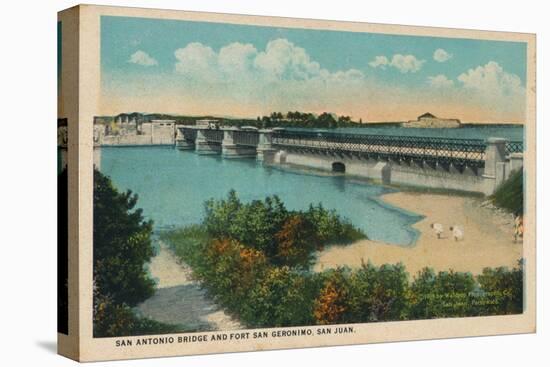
point(122, 245)
point(326, 120)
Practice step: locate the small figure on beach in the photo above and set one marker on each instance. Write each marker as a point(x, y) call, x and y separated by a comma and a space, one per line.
point(518, 227)
point(458, 234)
point(438, 229)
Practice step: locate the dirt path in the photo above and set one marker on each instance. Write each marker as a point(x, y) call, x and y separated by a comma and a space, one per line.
point(179, 299)
point(488, 238)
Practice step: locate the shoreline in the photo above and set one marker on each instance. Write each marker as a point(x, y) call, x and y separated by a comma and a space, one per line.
point(488, 238)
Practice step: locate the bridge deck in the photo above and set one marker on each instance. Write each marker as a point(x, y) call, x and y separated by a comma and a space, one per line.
point(460, 152)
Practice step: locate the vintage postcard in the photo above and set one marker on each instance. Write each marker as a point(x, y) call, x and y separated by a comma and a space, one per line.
point(240, 183)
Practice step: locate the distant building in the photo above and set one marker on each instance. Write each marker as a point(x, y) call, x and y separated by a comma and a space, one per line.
point(430, 120)
point(207, 123)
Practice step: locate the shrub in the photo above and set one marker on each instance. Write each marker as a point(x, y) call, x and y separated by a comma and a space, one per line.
point(503, 289)
point(296, 242)
point(266, 281)
point(330, 227)
point(446, 294)
point(509, 195)
point(333, 303)
point(254, 224)
point(379, 293)
point(282, 297)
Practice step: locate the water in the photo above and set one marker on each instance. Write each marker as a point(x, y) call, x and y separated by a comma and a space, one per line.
point(173, 185)
point(511, 132)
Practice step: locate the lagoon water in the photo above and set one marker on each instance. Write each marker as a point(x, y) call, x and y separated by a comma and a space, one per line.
point(173, 185)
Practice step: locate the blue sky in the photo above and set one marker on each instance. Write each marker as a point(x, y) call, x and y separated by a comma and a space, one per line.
point(261, 69)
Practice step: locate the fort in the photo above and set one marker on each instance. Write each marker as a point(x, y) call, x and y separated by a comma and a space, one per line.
point(429, 120)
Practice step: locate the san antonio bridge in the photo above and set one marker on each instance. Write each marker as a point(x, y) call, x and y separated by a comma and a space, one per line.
point(473, 165)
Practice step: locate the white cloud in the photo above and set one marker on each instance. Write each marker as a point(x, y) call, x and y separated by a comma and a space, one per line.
point(241, 79)
point(440, 55)
point(379, 61)
point(440, 81)
point(280, 61)
point(142, 58)
point(236, 57)
point(406, 63)
point(491, 79)
point(403, 63)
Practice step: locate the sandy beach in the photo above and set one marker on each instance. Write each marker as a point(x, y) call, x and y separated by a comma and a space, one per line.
point(488, 238)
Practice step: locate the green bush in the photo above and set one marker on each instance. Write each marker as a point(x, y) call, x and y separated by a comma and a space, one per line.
point(122, 247)
point(504, 289)
point(258, 223)
point(445, 294)
point(509, 195)
point(282, 297)
point(379, 293)
point(266, 282)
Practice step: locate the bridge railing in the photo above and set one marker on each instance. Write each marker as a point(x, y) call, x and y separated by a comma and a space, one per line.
point(464, 152)
point(214, 136)
point(513, 147)
point(248, 138)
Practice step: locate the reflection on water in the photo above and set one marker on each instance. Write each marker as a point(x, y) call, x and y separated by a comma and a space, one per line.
point(173, 185)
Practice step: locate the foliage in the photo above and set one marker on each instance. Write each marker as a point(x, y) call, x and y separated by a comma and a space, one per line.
point(509, 195)
point(331, 228)
point(378, 293)
point(282, 297)
point(115, 320)
point(333, 301)
point(306, 120)
point(122, 244)
point(296, 241)
point(504, 288)
point(254, 224)
point(446, 294)
point(285, 237)
point(122, 247)
point(368, 294)
point(254, 259)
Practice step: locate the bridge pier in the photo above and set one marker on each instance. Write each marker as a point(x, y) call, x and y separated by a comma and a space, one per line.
point(265, 149)
point(184, 144)
point(495, 170)
point(185, 138)
point(205, 147)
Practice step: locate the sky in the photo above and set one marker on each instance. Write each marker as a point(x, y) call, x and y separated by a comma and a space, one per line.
point(194, 68)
